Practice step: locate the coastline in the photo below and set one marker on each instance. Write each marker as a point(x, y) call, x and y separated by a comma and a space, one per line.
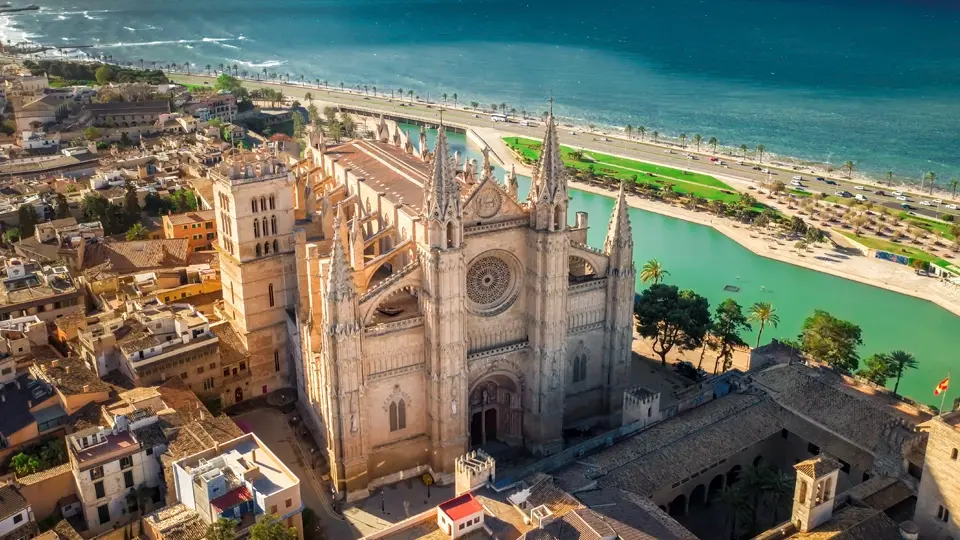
point(780, 163)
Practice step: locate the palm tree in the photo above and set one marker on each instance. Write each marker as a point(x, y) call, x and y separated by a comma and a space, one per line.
point(629, 130)
point(760, 149)
point(683, 140)
point(738, 507)
point(236, 70)
point(932, 177)
point(455, 96)
point(755, 483)
point(653, 271)
point(889, 178)
point(953, 186)
point(743, 148)
point(208, 66)
point(849, 166)
point(264, 73)
point(220, 66)
point(309, 97)
point(374, 88)
point(642, 130)
point(696, 140)
point(763, 313)
point(656, 135)
point(779, 485)
point(902, 360)
point(713, 142)
point(317, 82)
point(410, 95)
point(444, 96)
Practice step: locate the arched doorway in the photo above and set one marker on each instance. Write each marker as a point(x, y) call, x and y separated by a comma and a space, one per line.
point(716, 486)
point(699, 495)
point(496, 413)
point(733, 475)
point(238, 395)
point(678, 506)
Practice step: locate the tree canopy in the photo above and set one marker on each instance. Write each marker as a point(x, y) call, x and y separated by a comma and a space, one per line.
point(672, 318)
point(831, 340)
point(271, 528)
point(28, 217)
point(728, 322)
point(104, 74)
point(221, 529)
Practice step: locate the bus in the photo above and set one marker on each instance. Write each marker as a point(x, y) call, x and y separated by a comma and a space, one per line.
point(498, 117)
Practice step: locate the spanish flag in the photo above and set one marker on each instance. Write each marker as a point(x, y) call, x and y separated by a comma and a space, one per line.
point(942, 387)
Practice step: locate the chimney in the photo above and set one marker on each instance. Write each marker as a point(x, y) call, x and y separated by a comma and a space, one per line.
point(909, 530)
point(86, 388)
point(55, 363)
point(66, 369)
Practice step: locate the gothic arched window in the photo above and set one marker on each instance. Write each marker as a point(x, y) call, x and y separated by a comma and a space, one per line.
point(580, 368)
point(398, 415)
point(256, 229)
point(259, 251)
point(270, 293)
point(253, 205)
point(266, 248)
point(263, 222)
point(272, 202)
point(273, 224)
point(263, 203)
point(276, 247)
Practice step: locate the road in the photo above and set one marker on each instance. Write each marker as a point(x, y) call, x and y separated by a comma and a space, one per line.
point(667, 154)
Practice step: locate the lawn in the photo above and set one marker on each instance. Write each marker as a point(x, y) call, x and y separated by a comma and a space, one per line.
point(931, 226)
point(897, 249)
point(698, 184)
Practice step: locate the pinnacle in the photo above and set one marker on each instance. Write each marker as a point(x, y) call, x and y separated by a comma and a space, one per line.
point(619, 231)
point(341, 286)
point(549, 177)
point(443, 191)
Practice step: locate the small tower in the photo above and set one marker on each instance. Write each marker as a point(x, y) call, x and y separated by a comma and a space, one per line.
point(474, 469)
point(621, 283)
point(442, 199)
point(548, 191)
point(815, 493)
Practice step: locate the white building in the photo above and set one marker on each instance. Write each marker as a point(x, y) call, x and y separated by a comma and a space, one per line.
point(111, 464)
point(16, 516)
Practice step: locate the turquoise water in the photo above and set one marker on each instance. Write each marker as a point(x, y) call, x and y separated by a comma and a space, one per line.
point(868, 80)
point(702, 259)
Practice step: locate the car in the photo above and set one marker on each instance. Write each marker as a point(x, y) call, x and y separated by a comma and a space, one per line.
point(721, 162)
point(881, 193)
point(798, 178)
point(605, 139)
point(860, 197)
point(950, 206)
point(757, 168)
point(688, 370)
point(476, 116)
point(796, 183)
point(905, 206)
point(830, 182)
point(937, 201)
point(572, 132)
point(860, 188)
point(897, 193)
point(741, 163)
point(842, 193)
point(902, 198)
point(668, 152)
point(821, 179)
point(925, 203)
point(714, 160)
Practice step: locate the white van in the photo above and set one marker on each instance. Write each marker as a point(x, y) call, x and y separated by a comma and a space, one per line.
point(860, 197)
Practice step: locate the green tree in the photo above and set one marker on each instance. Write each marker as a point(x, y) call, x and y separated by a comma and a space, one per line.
point(12, 235)
point(91, 133)
point(299, 124)
point(131, 205)
point(183, 201)
point(671, 318)
point(763, 313)
point(849, 166)
point(778, 486)
point(642, 130)
point(743, 150)
point(227, 83)
point(221, 529)
point(104, 74)
point(683, 140)
point(155, 205)
point(653, 271)
point(713, 142)
point(737, 504)
point(313, 115)
point(877, 369)
point(728, 322)
point(27, 215)
point(901, 360)
point(747, 200)
point(54, 452)
point(137, 232)
point(271, 528)
point(831, 340)
point(760, 149)
point(24, 464)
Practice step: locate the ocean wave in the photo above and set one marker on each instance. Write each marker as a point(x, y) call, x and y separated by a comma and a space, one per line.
point(214, 40)
point(259, 65)
point(86, 15)
point(61, 17)
point(164, 42)
point(130, 29)
point(188, 46)
point(227, 45)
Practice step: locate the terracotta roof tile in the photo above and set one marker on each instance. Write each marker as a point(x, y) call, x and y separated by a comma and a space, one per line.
point(125, 257)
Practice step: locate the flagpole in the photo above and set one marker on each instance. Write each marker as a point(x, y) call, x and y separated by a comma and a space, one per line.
point(944, 397)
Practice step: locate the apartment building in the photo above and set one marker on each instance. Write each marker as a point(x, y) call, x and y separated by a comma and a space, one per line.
point(112, 466)
point(16, 516)
point(28, 288)
point(199, 228)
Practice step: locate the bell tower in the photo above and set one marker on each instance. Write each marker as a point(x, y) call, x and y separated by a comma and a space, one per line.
point(815, 492)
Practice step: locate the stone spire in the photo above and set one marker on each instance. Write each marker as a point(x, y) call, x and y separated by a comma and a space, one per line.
point(619, 233)
point(486, 167)
point(383, 133)
point(443, 191)
point(511, 180)
point(549, 177)
point(422, 147)
point(340, 286)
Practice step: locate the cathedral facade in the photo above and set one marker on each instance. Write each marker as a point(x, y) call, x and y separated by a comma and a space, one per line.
point(438, 311)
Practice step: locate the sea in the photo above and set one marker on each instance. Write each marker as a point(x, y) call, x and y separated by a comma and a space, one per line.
point(872, 81)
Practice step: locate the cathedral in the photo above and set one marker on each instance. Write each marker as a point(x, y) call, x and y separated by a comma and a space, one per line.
point(437, 312)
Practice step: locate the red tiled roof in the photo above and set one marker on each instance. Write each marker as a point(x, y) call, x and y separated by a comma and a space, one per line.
point(232, 498)
point(461, 507)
